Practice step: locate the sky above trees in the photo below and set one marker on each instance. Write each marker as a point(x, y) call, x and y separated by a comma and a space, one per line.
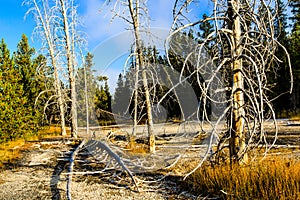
point(97, 25)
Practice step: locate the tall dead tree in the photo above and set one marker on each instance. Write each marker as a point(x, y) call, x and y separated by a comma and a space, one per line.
point(133, 10)
point(242, 50)
point(68, 15)
point(134, 13)
point(237, 143)
point(44, 14)
point(57, 23)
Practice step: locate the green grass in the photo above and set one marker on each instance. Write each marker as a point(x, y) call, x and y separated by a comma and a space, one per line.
point(276, 178)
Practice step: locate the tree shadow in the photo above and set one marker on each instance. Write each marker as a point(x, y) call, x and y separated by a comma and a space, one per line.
point(55, 178)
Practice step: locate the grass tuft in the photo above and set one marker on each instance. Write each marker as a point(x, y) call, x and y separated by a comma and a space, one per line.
point(10, 151)
point(295, 117)
point(277, 178)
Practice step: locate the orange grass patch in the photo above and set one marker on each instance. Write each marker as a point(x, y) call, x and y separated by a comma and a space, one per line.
point(136, 148)
point(11, 151)
point(275, 178)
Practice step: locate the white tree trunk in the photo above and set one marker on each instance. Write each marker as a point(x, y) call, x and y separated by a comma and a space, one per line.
point(43, 18)
point(86, 103)
point(70, 62)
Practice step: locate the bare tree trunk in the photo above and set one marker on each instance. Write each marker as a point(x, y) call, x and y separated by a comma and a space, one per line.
point(243, 43)
point(70, 63)
point(135, 114)
point(86, 103)
point(43, 18)
point(140, 64)
point(237, 139)
point(59, 94)
point(151, 136)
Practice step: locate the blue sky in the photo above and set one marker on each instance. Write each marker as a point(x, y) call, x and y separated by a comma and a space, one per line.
point(98, 25)
point(12, 23)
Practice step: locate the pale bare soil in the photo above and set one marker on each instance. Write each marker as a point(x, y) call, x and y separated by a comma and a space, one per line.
point(41, 172)
point(41, 175)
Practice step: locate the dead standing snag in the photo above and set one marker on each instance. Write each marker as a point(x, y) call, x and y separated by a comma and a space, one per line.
point(243, 46)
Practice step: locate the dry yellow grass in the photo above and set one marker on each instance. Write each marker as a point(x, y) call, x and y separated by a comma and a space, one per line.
point(11, 151)
point(296, 118)
point(135, 148)
point(275, 178)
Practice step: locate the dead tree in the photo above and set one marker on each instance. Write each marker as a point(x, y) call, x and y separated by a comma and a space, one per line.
point(133, 10)
point(69, 19)
point(237, 143)
point(44, 14)
point(57, 23)
point(243, 45)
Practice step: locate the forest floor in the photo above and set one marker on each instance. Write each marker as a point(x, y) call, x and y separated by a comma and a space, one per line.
point(41, 170)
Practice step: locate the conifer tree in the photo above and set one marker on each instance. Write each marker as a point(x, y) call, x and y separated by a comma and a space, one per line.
point(103, 100)
point(23, 61)
point(86, 87)
point(15, 116)
point(28, 68)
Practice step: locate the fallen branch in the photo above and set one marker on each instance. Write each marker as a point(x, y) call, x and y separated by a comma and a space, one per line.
point(72, 159)
point(102, 146)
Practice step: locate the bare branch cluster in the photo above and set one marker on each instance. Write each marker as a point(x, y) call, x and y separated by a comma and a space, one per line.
point(241, 56)
point(57, 25)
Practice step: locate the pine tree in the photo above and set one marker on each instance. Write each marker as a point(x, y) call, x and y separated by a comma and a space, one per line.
point(28, 70)
point(23, 62)
point(103, 101)
point(281, 75)
point(45, 107)
point(295, 5)
point(206, 27)
point(102, 98)
point(122, 96)
point(15, 116)
point(118, 100)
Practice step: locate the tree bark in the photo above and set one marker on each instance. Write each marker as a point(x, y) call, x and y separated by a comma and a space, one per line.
point(237, 141)
point(86, 102)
